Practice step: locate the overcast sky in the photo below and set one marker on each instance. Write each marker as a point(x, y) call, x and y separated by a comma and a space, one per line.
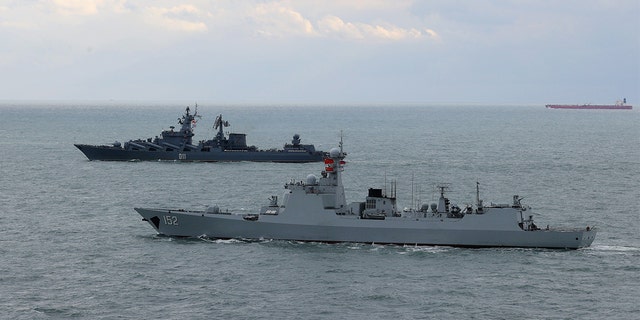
point(321, 52)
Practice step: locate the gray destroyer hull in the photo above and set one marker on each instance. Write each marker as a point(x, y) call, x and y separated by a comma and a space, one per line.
point(316, 210)
point(111, 153)
point(463, 232)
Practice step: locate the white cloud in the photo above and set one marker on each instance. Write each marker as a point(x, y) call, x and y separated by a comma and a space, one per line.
point(332, 25)
point(391, 32)
point(77, 7)
point(271, 19)
point(17, 25)
point(335, 25)
point(182, 18)
point(432, 34)
point(479, 39)
point(275, 20)
point(282, 19)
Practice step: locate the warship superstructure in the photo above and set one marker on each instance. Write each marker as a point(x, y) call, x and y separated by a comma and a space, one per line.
point(316, 210)
point(178, 145)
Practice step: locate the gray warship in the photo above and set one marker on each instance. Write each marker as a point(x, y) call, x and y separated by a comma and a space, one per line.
point(316, 210)
point(178, 145)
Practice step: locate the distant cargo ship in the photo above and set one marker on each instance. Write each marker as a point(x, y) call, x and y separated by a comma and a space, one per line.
point(620, 105)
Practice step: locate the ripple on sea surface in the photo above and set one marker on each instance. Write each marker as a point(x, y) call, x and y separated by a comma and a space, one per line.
point(72, 246)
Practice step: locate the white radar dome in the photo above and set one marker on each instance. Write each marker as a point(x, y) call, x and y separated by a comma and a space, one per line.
point(312, 179)
point(334, 153)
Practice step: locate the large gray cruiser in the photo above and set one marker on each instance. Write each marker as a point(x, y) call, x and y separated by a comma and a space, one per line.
point(178, 145)
point(316, 210)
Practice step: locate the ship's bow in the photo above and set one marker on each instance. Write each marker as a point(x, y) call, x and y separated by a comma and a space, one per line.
point(151, 216)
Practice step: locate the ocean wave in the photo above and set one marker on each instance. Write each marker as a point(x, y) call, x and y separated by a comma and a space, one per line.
point(615, 248)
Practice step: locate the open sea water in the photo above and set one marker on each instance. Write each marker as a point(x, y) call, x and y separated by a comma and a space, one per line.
point(71, 245)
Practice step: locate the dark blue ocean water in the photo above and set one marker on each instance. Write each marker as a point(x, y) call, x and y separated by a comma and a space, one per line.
point(72, 246)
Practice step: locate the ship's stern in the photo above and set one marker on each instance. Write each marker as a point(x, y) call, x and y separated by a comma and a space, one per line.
point(585, 237)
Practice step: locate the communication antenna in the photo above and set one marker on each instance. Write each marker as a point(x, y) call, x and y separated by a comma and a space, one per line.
point(478, 201)
point(412, 203)
point(385, 182)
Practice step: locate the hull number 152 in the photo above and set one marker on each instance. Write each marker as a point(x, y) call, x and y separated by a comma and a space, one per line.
point(170, 220)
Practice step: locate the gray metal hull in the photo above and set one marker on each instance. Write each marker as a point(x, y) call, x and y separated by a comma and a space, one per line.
point(110, 153)
point(329, 227)
point(316, 210)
